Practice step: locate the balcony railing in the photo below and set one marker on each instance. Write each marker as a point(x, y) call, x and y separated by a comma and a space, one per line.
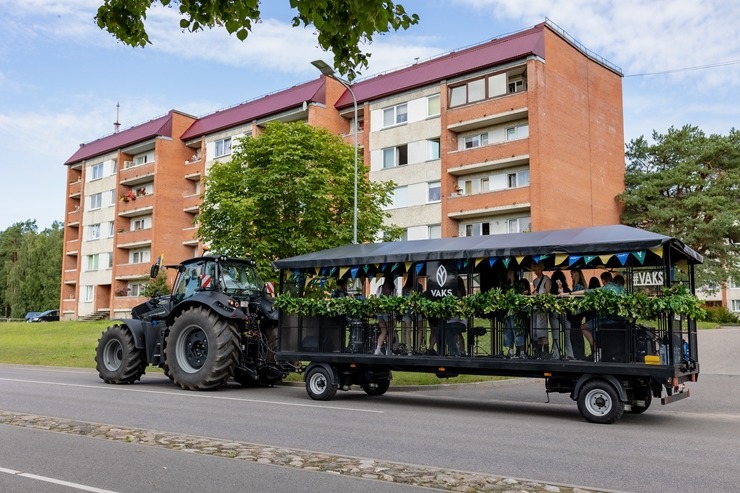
point(137, 206)
point(136, 175)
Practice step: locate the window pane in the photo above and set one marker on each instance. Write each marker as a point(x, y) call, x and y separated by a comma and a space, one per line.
point(523, 178)
point(477, 90)
point(435, 231)
point(457, 95)
point(403, 154)
point(389, 157)
point(401, 199)
point(389, 117)
point(401, 114)
point(496, 85)
point(432, 149)
point(484, 139)
point(434, 192)
point(433, 105)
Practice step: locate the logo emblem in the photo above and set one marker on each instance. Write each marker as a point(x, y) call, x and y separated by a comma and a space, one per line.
point(441, 275)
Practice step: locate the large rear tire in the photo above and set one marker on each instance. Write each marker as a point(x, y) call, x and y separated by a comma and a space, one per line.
point(117, 359)
point(598, 402)
point(202, 349)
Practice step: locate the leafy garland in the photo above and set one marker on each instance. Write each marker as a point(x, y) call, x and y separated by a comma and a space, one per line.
point(497, 302)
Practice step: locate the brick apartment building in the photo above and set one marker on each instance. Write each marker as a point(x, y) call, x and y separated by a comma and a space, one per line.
point(520, 133)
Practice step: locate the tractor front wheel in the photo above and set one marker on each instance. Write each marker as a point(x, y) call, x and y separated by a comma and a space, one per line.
point(117, 359)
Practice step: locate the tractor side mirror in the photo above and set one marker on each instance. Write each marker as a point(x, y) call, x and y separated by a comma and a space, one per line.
point(154, 271)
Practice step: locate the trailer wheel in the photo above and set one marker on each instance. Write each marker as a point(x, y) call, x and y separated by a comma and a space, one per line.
point(201, 350)
point(319, 384)
point(378, 387)
point(641, 408)
point(117, 359)
point(598, 402)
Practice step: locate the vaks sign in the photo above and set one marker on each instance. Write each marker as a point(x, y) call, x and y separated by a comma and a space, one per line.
point(647, 278)
point(441, 279)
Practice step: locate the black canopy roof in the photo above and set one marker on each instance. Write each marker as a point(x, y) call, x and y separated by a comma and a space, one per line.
point(597, 240)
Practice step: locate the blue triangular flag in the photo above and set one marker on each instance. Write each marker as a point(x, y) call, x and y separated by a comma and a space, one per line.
point(492, 261)
point(573, 259)
point(622, 257)
point(419, 267)
point(353, 271)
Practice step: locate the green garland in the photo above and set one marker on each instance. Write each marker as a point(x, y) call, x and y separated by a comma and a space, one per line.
point(496, 302)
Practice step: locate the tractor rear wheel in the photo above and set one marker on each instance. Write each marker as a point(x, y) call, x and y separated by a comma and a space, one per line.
point(202, 349)
point(117, 359)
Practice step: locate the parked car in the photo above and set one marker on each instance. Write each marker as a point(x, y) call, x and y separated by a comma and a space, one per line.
point(47, 316)
point(31, 315)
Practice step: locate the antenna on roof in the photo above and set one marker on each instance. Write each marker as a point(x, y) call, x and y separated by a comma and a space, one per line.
point(117, 124)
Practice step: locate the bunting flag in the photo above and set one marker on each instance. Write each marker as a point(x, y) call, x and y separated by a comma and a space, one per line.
point(658, 251)
point(382, 267)
point(332, 271)
point(306, 282)
point(407, 266)
point(491, 261)
point(316, 270)
point(605, 258)
point(519, 259)
point(536, 259)
point(560, 258)
point(506, 262)
point(544, 257)
point(366, 268)
point(459, 264)
point(573, 259)
point(640, 256)
point(353, 272)
point(622, 257)
point(466, 263)
point(478, 261)
point(588, 258)
point(394, 267)
point(322, 282)
point(343, 271)
point(419, 266)
point(323, 271)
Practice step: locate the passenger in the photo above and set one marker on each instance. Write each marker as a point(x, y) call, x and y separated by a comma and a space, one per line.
point(542, 284)
point(388, 288)
point(341, 290)
point(455, 326)
point(576, 319)
point(609, 285)
point(558, 320)
point(517, 324)
point(409, 318)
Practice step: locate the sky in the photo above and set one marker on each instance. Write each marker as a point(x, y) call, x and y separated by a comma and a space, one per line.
point(61, 76)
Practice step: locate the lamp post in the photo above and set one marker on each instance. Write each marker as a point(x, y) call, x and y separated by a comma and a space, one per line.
point(328, 71)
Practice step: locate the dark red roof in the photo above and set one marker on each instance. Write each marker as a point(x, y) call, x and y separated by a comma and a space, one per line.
point(158, 126)
point(313, 91)
point(518, 45)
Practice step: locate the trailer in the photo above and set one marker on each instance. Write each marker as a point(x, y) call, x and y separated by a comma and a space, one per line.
point(633, 360)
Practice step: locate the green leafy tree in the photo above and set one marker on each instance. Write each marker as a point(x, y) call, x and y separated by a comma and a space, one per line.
point(342, 25)
point(687, 184)
point(287, 192)
point(157, 286)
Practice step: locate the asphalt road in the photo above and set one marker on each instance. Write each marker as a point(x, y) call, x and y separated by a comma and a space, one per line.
point(506, 429)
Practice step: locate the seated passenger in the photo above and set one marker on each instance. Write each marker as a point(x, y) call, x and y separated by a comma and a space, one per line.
point(607, 284)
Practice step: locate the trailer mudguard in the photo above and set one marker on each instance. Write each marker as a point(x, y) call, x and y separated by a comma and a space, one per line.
point(609, 378)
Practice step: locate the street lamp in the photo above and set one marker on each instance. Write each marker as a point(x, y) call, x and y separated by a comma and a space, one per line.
point(328, 71)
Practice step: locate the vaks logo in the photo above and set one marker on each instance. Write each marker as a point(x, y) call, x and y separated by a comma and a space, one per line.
point(441, 275)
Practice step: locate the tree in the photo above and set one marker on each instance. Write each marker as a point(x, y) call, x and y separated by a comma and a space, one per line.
point(341, 25)
point(157, 286)
point(287, 192)
point(687, 185)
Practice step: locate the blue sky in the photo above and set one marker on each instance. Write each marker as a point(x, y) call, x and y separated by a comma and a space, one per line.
point(61, 76)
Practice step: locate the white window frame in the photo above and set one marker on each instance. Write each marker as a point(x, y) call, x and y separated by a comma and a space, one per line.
point(134, 289)
point(96, 201)
point(111, 229)
point(142, 256)
point(434, 231)
point(93, 232)
point(96, 171)
point(142, 159)
point(519, 224)
point(395, 115)
point(392, 156)
point(400, 197)
point(735, 306)
point(434, 149)
point(222, 147)
point(517, 132)
point(92, 262)
point(434, 192)
point(88, 293)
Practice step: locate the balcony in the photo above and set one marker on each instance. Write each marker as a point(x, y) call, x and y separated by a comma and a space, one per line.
point(75, 189)
point(137, 238)
point(507, 201)
point(140, 206)
point(136, 175)
point(73, 217)
point(129, 272)
point(489, 165)
point(191, 203)
point(491, 155)
point(191, 233)
point(72, 246)
point(70, 276)
point(488, 113)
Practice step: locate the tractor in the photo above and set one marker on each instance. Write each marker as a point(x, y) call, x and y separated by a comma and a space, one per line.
point(217, 323)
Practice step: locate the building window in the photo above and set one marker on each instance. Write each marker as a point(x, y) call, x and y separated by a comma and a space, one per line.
point(485, 88)
point(519, 225)
point(518, 84)
point(135, 289)
point(114, 166)
point(93, 232)
point(734, 284)
point(223, 147)
point(109, 260)
point(96, 201)
point(139, 256)
point(472, 141)
point(87, 295)
point(395, 156)
point(111, 197)
point(518, 179)
point(735, 306)
point(400, 197)
point(96, 172)
point(395, 115)
point(435, 231)
point(433, 146)
point(141, 223)
point(518, 132)
point(434, 191)
point(111, 229)
point(433, 106)
point(484, 185)
point(92, 262)
point(144, 159)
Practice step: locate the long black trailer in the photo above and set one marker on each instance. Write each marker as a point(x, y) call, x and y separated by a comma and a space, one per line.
point(632, 361)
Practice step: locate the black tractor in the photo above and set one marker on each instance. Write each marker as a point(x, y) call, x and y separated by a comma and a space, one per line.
point(217, 323)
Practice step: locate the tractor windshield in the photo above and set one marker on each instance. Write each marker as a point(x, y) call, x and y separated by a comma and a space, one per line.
point(240, 278)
